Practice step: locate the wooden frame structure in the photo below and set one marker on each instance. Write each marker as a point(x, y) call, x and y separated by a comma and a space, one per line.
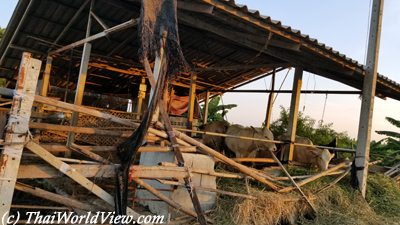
point(271, 46)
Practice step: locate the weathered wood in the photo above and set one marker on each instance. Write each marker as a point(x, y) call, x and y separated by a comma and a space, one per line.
point(292, 181)
point(46, 76)
point(192, 99)
point(62, 148)
point(260, 160)
point(73, 174)
point(321, 174)
point(119, 27)
point(81, 130)
point(234, 194)
point(206, 103)
point(294, 111)
point(174, 141)
point(335, 181)
point(54, 197)
point(47, 172)
point(83, 109)
point(17, 130)
point(89, 154)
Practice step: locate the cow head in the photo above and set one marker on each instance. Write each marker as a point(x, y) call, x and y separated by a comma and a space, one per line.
point(323, 159)
point(267, 134)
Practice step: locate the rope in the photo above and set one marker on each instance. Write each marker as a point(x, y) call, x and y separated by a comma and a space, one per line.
point(323, 111)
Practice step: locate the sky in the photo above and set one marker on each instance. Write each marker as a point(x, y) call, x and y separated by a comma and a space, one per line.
point(341, 24)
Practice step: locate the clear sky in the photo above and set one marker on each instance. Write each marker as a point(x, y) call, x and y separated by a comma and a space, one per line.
point(342, 24)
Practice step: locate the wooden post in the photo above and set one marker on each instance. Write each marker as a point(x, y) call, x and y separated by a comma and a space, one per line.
point(46, 76)
point(367, 105)
point(192, 100)
point(206, 102)
point(141, 97)
point(294, 110)
point(80, 88)
point(270, 101)
point(17, 131)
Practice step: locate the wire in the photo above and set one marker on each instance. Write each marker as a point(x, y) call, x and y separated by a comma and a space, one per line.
point(284, 79)
point(323, 111)
point(366, 38)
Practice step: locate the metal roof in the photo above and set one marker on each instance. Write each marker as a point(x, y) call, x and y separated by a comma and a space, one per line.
point(226, 44)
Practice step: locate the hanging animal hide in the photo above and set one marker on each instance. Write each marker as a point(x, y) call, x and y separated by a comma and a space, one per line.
point(157, 17)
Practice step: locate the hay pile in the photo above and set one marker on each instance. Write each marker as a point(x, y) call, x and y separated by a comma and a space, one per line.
point(339, 204)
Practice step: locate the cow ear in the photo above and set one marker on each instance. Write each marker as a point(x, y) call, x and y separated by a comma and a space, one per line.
point(332, 155)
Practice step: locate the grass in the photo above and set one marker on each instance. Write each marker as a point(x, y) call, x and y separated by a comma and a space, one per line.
point(338, 205)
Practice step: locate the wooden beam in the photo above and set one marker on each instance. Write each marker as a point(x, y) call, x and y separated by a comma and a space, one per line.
point(74, 175)
point(17, 131)
point(70, 22)
point(294, 110)
point(50, 196)
point(46, 76)
point(123, 26)
point(270, 103)
point(206, 104)
point(141, 97)
point(80, 130)
point(367, 104)
point(192, 100)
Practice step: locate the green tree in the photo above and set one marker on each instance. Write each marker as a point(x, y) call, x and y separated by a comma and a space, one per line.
point(216, 111)
point(320, 134)
point(2, 31)
point(387, 149)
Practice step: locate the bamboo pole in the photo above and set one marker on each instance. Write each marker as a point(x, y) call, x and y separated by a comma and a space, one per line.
point(310, 179)
point(293, 182)
point(240, 167)
point(335, 181)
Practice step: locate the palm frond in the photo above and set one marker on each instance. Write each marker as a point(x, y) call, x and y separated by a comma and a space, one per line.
point(393, 121)
point(388, 133)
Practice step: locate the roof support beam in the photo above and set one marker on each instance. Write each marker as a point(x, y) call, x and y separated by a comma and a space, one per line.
point(16, 31)
point(123, 26)
point(69, 24)
point(294, 111)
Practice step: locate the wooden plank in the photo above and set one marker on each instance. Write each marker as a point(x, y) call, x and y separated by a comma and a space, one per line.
point(259, 160)
point(74, 175)
point(367, 104)
point(59, 199)
point(54, 148)
point(83, 109)
point(34, 171)
point(17, 128)
point(81, 130)
point(39, 171)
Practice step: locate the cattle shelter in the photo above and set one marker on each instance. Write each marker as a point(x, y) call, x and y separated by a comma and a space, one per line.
point(76, 88)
